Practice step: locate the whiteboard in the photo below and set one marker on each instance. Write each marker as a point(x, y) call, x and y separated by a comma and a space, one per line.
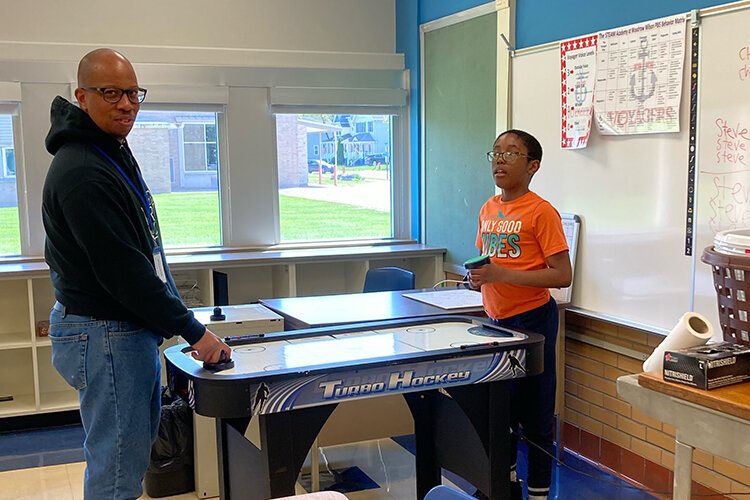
point(631, 195)
point(723, 140)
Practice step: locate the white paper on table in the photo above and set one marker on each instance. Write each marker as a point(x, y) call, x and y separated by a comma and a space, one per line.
point(448, 299)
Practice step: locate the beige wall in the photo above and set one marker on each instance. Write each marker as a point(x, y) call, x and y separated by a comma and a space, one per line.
point(307, 25)
point(245, 56)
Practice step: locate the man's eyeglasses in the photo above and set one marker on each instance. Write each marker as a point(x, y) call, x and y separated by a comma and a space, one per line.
point(113, 95)
point(507, 156)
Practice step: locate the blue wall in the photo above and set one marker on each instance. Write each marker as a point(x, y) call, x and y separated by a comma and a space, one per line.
point(542, 21)
point(429, 10)
point(537, 22)
point(407, 43)
point(409, 15)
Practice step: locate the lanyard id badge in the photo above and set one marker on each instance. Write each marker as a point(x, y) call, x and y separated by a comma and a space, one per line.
point(150, 216)
point(147, 208)
point(142, 193)
point(159, 264)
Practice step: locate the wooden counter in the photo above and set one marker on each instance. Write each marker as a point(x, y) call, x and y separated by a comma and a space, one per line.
point(717, 421)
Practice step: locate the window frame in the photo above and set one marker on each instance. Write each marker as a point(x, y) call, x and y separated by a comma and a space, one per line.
point(246, 93)
point(205, 143)
point(400, 169)
point(12, 107)
point(220, 110)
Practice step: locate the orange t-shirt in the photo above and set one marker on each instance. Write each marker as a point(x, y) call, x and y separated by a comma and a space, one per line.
point(518, 234)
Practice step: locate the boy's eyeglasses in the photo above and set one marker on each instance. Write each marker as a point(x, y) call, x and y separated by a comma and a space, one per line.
point(113, 95)
point(507, 156)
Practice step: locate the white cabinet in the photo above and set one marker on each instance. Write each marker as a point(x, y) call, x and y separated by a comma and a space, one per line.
point(14, 310)
point(17, 381)
point(20, 369)
point(26, 297)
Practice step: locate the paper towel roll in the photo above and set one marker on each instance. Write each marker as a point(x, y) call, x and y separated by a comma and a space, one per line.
point(691, 330)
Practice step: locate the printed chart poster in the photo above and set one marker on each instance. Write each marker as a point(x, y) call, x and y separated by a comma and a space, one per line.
point(639, 77)
point(578, 75)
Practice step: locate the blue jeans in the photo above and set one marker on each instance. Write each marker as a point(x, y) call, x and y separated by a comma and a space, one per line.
point(114, 366)
point(532, 409)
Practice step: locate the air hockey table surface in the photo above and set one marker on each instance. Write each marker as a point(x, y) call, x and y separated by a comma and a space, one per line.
point(286, 370)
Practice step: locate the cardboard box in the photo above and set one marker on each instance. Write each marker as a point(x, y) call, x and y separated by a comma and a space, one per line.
point(708, 366)
point(42, 328)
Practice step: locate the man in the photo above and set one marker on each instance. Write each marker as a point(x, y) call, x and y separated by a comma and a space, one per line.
point(116, 300)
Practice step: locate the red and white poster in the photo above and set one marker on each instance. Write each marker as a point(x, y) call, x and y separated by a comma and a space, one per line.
point(639, 77)
point(578, 77)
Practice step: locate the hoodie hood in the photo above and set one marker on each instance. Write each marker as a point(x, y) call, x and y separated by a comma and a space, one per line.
point(71, 124)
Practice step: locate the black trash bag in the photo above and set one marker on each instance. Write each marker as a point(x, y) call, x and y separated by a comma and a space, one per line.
point(170, 471)
point(167, 398)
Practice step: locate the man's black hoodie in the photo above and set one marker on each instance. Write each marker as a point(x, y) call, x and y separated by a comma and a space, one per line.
point(98, 246)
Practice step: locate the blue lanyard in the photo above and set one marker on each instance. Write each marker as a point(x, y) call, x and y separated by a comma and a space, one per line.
point(140, 193)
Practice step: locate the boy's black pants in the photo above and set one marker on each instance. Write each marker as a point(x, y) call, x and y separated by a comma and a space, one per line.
point(532, 407)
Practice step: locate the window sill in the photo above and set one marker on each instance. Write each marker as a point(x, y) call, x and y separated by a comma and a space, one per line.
point(33, 267)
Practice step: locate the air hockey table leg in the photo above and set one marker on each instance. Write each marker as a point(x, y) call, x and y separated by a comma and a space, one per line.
point(466, 433)
point(421, 405)
point(237, 454)
point(499, 438)
point(247, 472)
point(483, 437)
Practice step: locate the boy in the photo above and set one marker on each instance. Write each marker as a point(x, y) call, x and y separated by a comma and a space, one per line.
point(523, 235)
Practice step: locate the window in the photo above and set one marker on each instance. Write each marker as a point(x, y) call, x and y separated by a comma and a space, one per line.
point(345, 192)
point(178, 152)
point(9, 161)
point(10, 234)
point(201, 147)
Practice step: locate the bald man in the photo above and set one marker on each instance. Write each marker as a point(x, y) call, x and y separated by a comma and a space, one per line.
point(115, 298)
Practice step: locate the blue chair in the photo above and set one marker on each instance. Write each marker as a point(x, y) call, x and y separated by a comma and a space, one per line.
point(384, 279)
point(444, 492)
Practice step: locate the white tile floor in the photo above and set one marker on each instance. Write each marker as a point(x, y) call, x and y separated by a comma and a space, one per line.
point(384, 461)
point(55, 482)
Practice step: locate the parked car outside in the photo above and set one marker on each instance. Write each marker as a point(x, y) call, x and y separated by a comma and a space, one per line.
point(325, 167)
point(374, 159)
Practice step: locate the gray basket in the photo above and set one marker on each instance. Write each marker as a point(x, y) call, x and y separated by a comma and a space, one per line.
point(732, 283)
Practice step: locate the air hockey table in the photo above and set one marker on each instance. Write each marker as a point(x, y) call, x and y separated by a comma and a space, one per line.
point(453, 372)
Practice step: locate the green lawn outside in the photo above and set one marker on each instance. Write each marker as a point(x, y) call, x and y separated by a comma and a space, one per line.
point(383, 166)
point(327, 179)
point(360, 174)
point(192, 219)
point(303, 219)
point(10, 235)
point(184, 224)
point(189, 219)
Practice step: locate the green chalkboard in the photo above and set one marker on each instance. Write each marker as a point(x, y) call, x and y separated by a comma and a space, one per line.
point(460, 62)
